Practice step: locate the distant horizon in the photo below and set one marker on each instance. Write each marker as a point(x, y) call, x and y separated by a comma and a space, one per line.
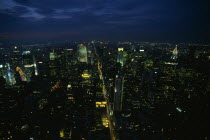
point(178, 21)
point(90, 40)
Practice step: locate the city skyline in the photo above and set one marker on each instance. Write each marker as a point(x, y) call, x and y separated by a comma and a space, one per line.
point(103, 90)
point(104, 69)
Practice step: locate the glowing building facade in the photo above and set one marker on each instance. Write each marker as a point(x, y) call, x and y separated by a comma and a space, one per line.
point(120, 56)
point(175, 53)
point(82, 53)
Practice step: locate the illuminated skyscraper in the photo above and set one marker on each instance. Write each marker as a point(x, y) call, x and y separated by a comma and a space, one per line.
point(175, 53)
point(90, 54)
point(2, 73)
point(52, 56)
point(120, 56)
point(35, 66)
point(9, 77)
point(118, 94)
point(22, 75)
point(28, 64)
point(82, 53)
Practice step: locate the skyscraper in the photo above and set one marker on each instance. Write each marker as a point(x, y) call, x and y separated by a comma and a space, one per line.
point(28, 64)
point(82, 53)
point(52, 55)
point(118, 94)
point(120, 56)
point(175, 53)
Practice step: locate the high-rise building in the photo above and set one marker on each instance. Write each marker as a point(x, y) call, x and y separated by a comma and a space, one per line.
point(120, 56)
point(118, 94)
point(82, 53)
point(28, 64)
point(52, 56)
point(2, 72)
point(175, 53)
point(35, 66)
point(10, 77)
point(89, 54)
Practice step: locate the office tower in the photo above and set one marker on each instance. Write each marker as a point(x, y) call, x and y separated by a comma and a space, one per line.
point(28, 64)
point(69, 53)
point(52, 55)
point(175, 54)
point(53, 65)
point(10, 77)
point(82, 53)
point(89, 54)
point(21, 74)
point(2, 73)
point(35, 66)
point(120, 56)
point(118, 94)
point(16, 58)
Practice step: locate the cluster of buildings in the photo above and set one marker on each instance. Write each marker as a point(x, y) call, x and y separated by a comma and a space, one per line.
point(104, 90)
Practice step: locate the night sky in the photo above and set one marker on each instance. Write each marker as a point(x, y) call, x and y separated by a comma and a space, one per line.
point(146, 20)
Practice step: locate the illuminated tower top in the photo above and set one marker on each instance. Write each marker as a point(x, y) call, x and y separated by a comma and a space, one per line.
point(120, 56)
point(82, 53)
point(175, 53)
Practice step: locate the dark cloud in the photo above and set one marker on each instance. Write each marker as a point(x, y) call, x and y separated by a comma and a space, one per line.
point(124, 19)
point(23, 2)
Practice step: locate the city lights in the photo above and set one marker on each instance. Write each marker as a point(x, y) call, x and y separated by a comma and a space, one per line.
point(104, 69)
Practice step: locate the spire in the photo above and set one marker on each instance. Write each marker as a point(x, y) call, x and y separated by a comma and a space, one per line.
point(175, 53)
